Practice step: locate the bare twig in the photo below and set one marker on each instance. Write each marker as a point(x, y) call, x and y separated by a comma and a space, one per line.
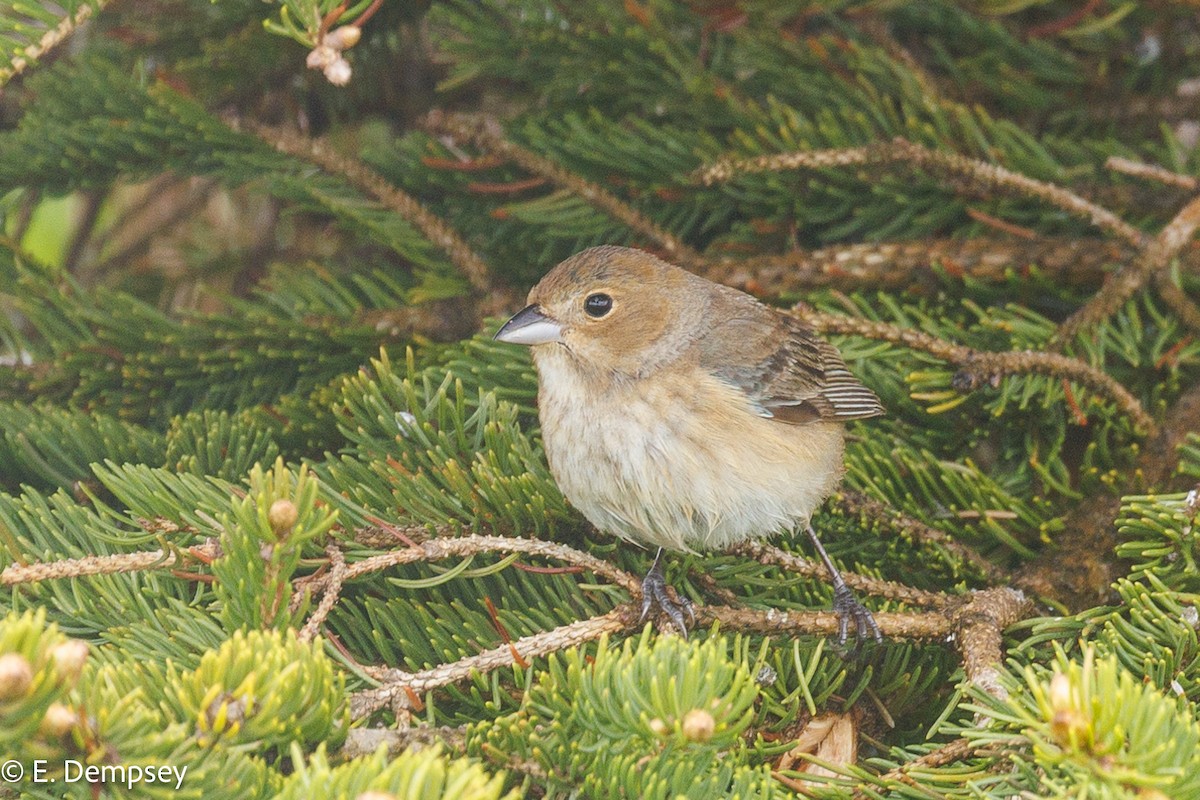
point(979, 366)
point(1176, 299)
point(50, 39)
point(438, 548)
point(770, 554)
point(1155, 256)
point(403, 685)
point(1079, 262)
point(374, 184)
point(333, 589)
point(486, 134)
point(1151, 172)
point(985, 178)
point(957, 750)
point(859, 504)
point(15, 574)
point(978, 624)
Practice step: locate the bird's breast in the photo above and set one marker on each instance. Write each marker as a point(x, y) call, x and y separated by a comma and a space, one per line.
point(678, 459)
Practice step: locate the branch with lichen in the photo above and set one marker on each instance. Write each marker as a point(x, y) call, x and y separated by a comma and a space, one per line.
point(486, 134)
point(979, 366)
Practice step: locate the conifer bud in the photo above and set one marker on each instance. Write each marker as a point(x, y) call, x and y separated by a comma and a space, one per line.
point(282, 516)
point(321, 57)
point(16, 675)
point(658, 727)
point(59, 721)
point(69, 658)
point(1067, 724)
point(338, 73)
point(698, 725)
point(375, 795)
point(343, 38)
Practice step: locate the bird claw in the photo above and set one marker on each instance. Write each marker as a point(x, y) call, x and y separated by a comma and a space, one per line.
point(847, 607)
point(656, 592)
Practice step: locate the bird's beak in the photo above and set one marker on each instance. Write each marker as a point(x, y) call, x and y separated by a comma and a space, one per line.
point(530, 326)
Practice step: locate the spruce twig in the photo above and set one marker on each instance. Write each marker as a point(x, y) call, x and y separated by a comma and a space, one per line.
point(859, 504)
point(978, 625)
point(985, 178)
point(1153, 172)
point(332, 591)
point(1155, 256)
point(889, 265)
point(367, 180)
point(770, 554)
point(401, 686)
point(37, 572)
point(486, 134)
point(50, 40)
point(949, 753)
point(1176, 300)
point(979, 366)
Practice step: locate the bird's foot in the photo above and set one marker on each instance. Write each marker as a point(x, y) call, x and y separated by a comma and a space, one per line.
point(656, 593)
point(848, 609)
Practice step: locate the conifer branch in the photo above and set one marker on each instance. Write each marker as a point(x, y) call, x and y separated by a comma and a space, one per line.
point(401, 685)
point(770, 554)
point(367, 180)
point(50, 40)
point(984, 178)
point(486, 134)
point(978, 625)
point(37, 572)
point(1176, 299)
point(859, 504)
point(438, 548)
point(1155, 256)
point(980, 366)
point(332, 591)
point(1153, 172)
point(949, 753)
point(897, 264)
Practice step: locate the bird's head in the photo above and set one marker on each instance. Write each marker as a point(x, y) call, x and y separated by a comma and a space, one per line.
point(615, 309)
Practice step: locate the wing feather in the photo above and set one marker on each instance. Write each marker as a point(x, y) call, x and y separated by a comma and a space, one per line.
point(786, 371)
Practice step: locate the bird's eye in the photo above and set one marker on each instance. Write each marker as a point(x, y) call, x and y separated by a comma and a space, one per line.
point(597, 305)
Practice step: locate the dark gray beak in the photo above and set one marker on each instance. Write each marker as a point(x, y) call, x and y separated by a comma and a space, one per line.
point(530, 326)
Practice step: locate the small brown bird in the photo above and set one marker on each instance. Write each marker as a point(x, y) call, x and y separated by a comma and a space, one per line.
point(681, 413)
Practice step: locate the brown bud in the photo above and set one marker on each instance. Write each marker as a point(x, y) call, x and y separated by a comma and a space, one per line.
point(375, 795)
point(658, 727)
point(282, 516)
point(698, 725)
point(15, 676)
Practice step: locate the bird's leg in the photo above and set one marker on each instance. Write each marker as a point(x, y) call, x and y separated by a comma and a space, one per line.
point(845, 604)
point(655, 592)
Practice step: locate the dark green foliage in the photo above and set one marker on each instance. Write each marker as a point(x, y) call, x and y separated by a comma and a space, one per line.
point(286, 411)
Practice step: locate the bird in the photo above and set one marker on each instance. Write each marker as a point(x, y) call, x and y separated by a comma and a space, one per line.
point(687, 415)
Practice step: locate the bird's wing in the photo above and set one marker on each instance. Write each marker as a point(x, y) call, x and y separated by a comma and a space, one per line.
point(785, 370)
